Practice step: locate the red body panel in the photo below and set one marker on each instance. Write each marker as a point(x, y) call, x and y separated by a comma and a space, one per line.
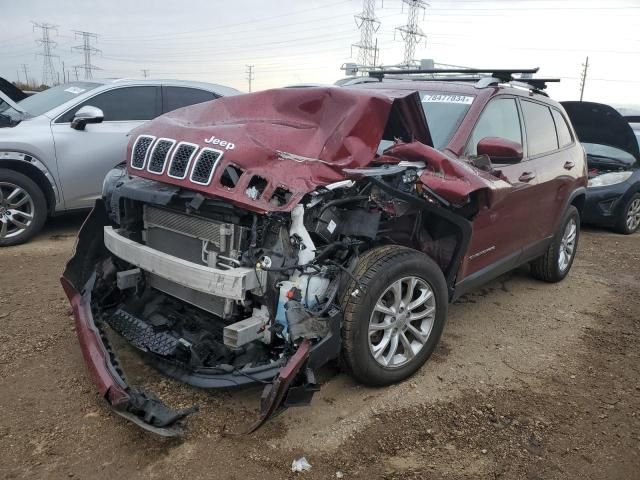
point(298, 138)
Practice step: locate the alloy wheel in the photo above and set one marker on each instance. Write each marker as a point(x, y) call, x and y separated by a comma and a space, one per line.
point(16, 210)
point(633, 215)
point(567, 245)
point(401, 322)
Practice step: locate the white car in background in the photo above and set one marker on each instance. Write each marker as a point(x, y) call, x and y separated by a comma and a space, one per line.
point(56, 146)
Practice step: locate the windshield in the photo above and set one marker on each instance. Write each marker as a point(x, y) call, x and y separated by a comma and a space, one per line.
point(9, 116)
point(605, 151)
point(51, 98)
point(444, 112)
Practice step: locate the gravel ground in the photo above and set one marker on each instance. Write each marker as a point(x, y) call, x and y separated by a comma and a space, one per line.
point(530, 380)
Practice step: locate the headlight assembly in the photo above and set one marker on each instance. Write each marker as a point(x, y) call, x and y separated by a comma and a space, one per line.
point(609, 179)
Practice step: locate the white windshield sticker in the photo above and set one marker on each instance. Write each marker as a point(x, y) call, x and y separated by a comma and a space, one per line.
point(441, 98)
point(74, 90)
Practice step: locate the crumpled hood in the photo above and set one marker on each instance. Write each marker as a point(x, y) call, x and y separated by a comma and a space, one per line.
point(294, 138)
point(602, 124)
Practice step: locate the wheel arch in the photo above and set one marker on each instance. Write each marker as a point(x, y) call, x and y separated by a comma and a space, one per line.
point(460, 225)
point(33, 168)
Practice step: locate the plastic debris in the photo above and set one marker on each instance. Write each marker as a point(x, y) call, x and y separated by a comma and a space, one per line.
point(339, 474)
point(300, 465)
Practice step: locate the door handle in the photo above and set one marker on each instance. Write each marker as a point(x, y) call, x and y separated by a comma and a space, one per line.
point(527, 177)
point(569, 165)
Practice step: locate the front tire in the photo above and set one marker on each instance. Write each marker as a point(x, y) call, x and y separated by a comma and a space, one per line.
point(23, 208)
point(393, 316)
point(629, 220)
point(555, 264)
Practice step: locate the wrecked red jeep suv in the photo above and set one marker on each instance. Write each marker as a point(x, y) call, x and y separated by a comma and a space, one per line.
point(255, 238)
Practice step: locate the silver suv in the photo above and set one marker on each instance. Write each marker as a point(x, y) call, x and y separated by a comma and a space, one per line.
point(57, 145)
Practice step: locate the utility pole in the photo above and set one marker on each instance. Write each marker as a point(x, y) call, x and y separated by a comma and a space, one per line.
point(64, 73)
point(48, 72)
point(368, 24)
point(411, 32)
point(75, 70)
point(250, 75)
point(87, 50)
point(145, 73)
point(583, 77)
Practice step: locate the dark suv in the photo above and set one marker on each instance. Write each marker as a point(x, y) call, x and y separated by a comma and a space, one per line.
point(256, 238)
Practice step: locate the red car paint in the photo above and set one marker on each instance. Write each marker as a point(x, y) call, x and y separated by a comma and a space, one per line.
point(298, 138)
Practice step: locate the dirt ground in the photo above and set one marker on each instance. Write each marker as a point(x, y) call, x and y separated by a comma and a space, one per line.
point(530, 380)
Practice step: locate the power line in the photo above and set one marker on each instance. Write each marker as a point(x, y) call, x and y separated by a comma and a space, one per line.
point(583, 77)
point(87, 50)
point(411, 32)
point(250, 75)
point(368, 24)
point(49, 75)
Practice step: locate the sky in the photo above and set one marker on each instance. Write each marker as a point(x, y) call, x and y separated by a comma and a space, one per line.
point(306, 41)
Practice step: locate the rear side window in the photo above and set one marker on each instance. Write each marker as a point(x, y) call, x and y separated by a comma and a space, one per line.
point(122, 104)
point(564, 134)
point(499, 119)
point(178, 97)
point(541, 130)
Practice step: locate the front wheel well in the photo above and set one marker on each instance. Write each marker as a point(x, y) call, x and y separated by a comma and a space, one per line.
point(579, 201)
point(36, 175)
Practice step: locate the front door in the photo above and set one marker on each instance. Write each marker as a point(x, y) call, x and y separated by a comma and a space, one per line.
point(499, 232)
point(85, 156)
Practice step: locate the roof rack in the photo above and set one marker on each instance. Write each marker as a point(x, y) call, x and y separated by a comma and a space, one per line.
point(483, 77)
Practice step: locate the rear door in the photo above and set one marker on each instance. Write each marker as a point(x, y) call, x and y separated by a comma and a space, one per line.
point(550, 147)
point(500, 232)
point(85, 156)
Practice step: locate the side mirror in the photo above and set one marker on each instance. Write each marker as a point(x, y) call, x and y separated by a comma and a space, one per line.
point(85, 115)
point(500, 150)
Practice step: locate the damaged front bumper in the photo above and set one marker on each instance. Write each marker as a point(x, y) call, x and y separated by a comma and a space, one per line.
point(293, 378)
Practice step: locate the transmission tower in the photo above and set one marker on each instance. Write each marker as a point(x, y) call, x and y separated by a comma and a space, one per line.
point(145, 73)
point(87, 50)
point(250, 75)
point(411, 33)
point(368, 24)
point(25, 69)
point(49, 75)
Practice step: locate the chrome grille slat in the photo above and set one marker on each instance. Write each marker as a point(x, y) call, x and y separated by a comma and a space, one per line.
point(140, 150)
point(205, 165)
point(159, 155)
point(181, 159)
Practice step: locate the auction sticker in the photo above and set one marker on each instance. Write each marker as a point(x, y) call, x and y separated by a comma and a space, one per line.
point(74, 90)
point(444, 98)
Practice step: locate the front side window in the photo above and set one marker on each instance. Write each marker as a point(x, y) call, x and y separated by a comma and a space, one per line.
point(499, 119)
point(541, 130)
point(178, 97)
point(564, 134)
point(122, 104)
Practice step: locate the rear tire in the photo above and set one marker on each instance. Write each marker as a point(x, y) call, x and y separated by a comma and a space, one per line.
point(555, 264)
point(401, 295)
point(23, 208)
point(629, 220)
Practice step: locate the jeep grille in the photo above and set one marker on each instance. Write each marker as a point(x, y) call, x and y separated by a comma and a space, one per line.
point(205, 166)
point(159, 154)
point(181, 159)
point(140, 150)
